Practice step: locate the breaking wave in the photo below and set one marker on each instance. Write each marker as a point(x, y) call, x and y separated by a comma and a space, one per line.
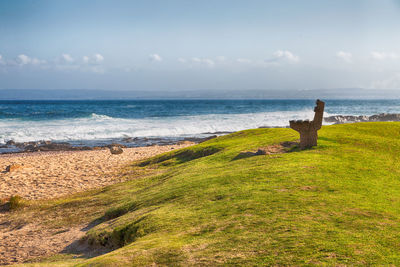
point(98, 126)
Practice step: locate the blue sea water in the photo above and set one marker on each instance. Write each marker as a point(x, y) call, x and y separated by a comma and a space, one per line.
point(91, 121)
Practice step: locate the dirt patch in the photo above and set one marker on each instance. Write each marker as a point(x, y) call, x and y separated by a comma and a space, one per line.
point(18, 244)
point(280, 148)
point(309, 188)
point(283, 147)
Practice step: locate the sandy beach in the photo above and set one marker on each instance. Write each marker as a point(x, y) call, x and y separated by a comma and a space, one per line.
point(45, 175)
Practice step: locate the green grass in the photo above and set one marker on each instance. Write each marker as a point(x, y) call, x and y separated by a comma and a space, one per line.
point(336, 204)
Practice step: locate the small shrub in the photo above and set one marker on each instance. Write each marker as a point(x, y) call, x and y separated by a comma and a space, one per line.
point(16, 202)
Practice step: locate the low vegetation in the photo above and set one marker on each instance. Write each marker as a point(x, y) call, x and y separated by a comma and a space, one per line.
point(16, 202)
point(335, 204)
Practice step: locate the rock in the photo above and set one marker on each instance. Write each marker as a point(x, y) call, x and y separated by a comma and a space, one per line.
point(207, 138)
point(55, 147)
point(31, 148)
point(116, 145)
point(20, 145)
point(116, 150)
point(339, 119)
point(13, 167)
point(10, 143)
point(128, 140)
point(385, 117)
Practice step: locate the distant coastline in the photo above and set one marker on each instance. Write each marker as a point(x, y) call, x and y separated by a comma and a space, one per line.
point(88, 94)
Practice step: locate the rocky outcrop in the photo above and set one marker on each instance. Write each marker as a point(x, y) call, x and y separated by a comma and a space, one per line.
point(43, 146)
point(308, 129)
point(339, 119)
point(52, 147)
point(10, 143)
point(36, 146)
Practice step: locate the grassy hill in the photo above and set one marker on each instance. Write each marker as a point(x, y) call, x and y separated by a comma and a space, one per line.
point(338, 203)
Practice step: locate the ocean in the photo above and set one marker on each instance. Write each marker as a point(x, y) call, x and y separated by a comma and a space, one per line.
point(101, 122)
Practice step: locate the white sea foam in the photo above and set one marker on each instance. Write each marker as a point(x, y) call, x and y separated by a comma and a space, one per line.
point(100, 117)
point(99, 126)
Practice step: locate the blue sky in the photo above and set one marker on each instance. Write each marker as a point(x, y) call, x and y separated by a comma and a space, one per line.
point(196, 45)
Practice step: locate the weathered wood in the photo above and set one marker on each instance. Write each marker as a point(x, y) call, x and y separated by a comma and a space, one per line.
point(309, 129)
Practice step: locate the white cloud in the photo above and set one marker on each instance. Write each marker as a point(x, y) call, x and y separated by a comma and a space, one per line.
point(345, 56)
point(64, 62)
point(87, 64)
point(221, 59)
point(182, 60)
point(85, 59)
point(243, 60)
point(283, 55)
point(196, 59)
point(67, 58)
point(155, 57)
point(98, 58)
point(92, 64)
point(383, 55)
point(206, 61)
point(25, 60)
point(95, 59)
point(36, 61)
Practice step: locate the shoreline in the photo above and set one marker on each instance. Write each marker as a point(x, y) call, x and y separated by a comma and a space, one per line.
point(12, 147)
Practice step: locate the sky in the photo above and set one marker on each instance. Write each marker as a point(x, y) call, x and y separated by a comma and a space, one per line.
point(199, 45)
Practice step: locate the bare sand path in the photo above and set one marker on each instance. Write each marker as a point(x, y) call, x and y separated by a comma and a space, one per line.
point(53, 174)
point(47, 175)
